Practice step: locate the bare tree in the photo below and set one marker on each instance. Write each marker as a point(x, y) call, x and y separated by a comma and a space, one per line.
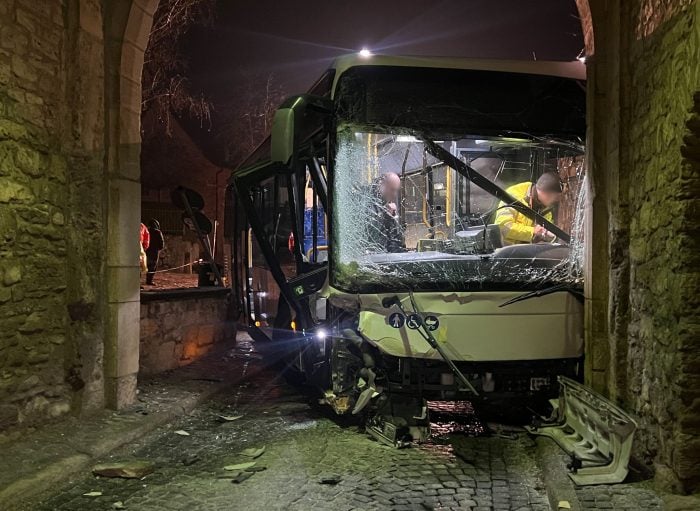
point(246, 118)
point(243, 118)
point(166, 87)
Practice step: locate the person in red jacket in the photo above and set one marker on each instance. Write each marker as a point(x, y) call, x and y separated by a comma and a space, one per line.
point(144, 241)
point(145, 236)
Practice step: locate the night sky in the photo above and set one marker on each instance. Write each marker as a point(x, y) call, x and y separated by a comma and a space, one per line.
point(297, 40)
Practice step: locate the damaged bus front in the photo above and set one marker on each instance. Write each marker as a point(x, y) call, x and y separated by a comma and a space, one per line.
point(395, 236)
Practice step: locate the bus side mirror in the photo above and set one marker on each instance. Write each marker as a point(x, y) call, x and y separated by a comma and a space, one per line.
point(282, 135)
point(296, 122)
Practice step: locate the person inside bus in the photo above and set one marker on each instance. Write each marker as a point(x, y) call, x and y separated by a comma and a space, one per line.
point(385, 233)
point(542, 196)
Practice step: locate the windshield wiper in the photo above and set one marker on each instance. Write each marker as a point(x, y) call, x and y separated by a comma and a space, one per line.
point(489, 186)
point(546, 291)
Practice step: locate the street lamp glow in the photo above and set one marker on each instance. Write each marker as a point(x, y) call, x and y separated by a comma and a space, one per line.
point(365, 53)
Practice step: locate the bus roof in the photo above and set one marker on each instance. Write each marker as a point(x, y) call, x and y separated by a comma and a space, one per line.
point(575, 69)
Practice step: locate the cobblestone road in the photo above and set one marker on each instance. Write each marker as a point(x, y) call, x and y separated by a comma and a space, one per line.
point(306, 448)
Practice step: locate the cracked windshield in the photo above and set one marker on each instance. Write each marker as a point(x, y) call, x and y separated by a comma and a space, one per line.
point(405, 219)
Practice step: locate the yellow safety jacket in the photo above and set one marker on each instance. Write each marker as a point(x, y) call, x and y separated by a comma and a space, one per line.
point(516, 227)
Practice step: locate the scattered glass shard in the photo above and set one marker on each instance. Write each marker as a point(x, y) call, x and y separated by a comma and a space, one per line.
point(240, 466)
point(253, 452)
point(229, 418)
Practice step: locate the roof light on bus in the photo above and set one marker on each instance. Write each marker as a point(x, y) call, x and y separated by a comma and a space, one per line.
point(365, 53)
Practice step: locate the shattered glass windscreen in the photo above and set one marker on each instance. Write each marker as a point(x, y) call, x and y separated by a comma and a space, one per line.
point(402, 219)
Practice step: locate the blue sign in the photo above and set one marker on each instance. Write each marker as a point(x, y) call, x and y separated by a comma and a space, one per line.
point(431, 323)
point(396, 320)
point(414, 321)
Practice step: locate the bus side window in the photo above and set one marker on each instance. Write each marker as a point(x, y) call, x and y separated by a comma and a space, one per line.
point(315, 249)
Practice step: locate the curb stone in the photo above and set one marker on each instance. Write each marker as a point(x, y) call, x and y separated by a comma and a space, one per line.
point(555, 474)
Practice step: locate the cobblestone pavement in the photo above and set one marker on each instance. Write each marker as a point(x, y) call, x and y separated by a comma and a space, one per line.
point(621, 496)
point(306, 448)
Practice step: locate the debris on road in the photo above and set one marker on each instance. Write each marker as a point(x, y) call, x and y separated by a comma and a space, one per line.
point(118, 505)
point(190, 460)
point(331, 479)
point(242, 477)
point(92, 494)
point(182, 432)
point(229, 418)
point(240, 466)
point(317, 462)
point(563, 504)
point(125, 469)
point(253, 452)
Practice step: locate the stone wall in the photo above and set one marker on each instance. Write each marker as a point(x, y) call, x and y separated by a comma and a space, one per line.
point(68, 274)
point(643, 298)
point(663, 373)
point(46, 228)
point(178, 327)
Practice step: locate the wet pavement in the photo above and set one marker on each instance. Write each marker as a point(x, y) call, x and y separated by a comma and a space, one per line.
point(312, 460)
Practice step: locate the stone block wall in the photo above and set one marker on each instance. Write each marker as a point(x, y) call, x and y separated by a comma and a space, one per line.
point(179, 327)
point(64, 135)
point(643, 341)
point(657, 94)
point(37, 159)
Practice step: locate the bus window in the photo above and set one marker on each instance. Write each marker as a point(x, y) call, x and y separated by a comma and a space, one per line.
point(402, 214)
point(315, 249)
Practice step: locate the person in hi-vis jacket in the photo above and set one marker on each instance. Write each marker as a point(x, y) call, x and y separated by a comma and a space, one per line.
point(542, 196)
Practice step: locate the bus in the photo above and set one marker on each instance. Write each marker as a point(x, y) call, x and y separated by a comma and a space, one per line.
point(368, 237)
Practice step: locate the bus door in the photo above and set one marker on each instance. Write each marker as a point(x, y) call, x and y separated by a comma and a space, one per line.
point(263, 194)
point(280, 275)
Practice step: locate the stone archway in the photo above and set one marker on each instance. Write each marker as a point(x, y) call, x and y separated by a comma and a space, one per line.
point(127, 28)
